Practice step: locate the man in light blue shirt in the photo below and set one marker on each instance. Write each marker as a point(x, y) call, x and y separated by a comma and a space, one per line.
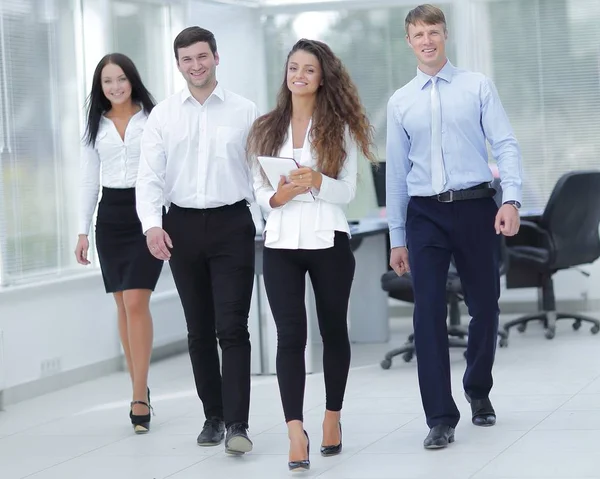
point(440, 204)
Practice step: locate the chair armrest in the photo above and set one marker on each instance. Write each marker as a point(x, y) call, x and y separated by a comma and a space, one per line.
point(531, 234)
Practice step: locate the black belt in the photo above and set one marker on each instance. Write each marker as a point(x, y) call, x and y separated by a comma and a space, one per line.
point(242, 204)
point(483, 190)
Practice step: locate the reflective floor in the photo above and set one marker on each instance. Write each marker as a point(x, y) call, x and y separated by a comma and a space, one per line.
point(546, 394)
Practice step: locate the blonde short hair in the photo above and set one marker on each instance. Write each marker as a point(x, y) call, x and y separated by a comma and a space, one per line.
point(427, 14)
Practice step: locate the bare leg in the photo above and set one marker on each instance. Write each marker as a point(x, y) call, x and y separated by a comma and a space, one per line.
point(298, 441)
point(140, 330)
point(122, 318)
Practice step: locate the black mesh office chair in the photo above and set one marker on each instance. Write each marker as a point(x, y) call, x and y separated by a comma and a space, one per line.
point(400, 287)
point(565, 236)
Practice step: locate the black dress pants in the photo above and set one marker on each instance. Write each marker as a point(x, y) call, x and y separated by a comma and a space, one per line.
point(212, 261)
point(435, 231)
point(331, 272)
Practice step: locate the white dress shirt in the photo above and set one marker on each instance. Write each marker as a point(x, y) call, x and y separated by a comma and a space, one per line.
point(194, 155)
point(112, 162)
point(302, 225)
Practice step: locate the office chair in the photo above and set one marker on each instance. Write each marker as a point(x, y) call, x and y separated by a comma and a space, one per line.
point(563, 237)
point(400, 287)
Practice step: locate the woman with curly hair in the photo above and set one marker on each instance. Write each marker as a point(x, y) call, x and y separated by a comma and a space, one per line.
point(320, 122)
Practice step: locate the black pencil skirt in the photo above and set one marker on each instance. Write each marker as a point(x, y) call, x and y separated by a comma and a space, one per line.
point(125, 260)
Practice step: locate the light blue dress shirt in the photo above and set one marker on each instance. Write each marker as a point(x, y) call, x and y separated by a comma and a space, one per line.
point(471, 113)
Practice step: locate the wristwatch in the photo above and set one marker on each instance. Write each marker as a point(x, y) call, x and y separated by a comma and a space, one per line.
point(516, 204)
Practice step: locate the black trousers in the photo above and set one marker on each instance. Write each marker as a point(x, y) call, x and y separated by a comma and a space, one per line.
point(212, 261)
point(436, 231)
point(331, 272)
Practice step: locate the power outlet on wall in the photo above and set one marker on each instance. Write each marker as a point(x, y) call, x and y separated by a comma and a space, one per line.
point(50, 366)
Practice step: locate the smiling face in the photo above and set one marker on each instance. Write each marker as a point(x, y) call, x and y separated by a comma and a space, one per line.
point(429, 45)
point(304, 74)
point(115, 85)
point(198, 65)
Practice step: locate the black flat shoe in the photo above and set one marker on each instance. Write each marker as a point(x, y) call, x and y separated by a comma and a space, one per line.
point(482, 411)
point(141, 423)
point(332, 450)
point(212, 433)
point(439, 437)
point(237, 441)
point(298, 466)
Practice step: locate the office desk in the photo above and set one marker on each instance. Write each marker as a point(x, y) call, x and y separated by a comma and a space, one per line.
point(368, 315)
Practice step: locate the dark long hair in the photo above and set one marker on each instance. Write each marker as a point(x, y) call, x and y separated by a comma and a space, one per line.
point(338, 105)
point(97, 104)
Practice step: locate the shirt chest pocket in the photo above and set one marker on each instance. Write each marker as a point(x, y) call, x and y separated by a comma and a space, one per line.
point(229, 142)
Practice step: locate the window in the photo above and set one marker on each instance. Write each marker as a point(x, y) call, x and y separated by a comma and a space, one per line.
point(544, 56)
point(39, 130)
point(140, 31)
point(47, 52)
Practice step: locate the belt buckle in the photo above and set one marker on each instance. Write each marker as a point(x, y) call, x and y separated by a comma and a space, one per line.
point(451, 194)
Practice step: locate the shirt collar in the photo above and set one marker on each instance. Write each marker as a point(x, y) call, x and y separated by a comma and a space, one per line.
point(446, 73)
point(219, 92)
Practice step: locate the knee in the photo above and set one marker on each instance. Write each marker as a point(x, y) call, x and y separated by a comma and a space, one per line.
point(233, 335)
point(136, 303)
point(335, 334)
point(291, 340)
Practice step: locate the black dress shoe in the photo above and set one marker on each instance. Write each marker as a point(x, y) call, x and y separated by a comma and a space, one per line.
point(304, 465)
point(212, 433)
point(482, 411)
point(332, 450)
point(237, 441)
point(439, 436)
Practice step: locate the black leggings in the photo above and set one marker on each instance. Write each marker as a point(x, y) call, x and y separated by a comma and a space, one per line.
point(331, 273)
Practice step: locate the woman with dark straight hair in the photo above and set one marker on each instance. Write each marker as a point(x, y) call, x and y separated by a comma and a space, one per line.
point(117, 108)
point(320, 122)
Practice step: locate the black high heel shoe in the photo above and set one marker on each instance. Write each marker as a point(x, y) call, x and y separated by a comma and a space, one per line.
point(297, 466)
point(141, 423)
point(332, 450)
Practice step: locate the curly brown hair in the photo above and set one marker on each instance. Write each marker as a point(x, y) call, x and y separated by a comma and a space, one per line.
point(337, 105)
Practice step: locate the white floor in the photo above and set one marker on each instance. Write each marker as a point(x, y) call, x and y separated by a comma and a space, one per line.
point(546, 395)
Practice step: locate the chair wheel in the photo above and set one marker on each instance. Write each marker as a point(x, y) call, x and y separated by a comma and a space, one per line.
point(550, 333)
point(595, 328)
point(503, 343)
point(407, 356)
point(522, 327)
point(577, 325)
point(386, 363)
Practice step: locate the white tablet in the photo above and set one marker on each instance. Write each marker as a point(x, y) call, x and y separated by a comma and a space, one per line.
point(275, 168)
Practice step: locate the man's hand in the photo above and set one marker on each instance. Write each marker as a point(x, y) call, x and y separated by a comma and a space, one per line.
point(507, 220)
point(399, 260)
point(159, 242)
point(286, 192)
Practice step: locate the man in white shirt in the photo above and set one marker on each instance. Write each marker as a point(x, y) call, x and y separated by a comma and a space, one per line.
point(193, 160)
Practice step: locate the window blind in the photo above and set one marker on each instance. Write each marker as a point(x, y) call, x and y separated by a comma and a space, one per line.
point(544, 58)
point(32, 232)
